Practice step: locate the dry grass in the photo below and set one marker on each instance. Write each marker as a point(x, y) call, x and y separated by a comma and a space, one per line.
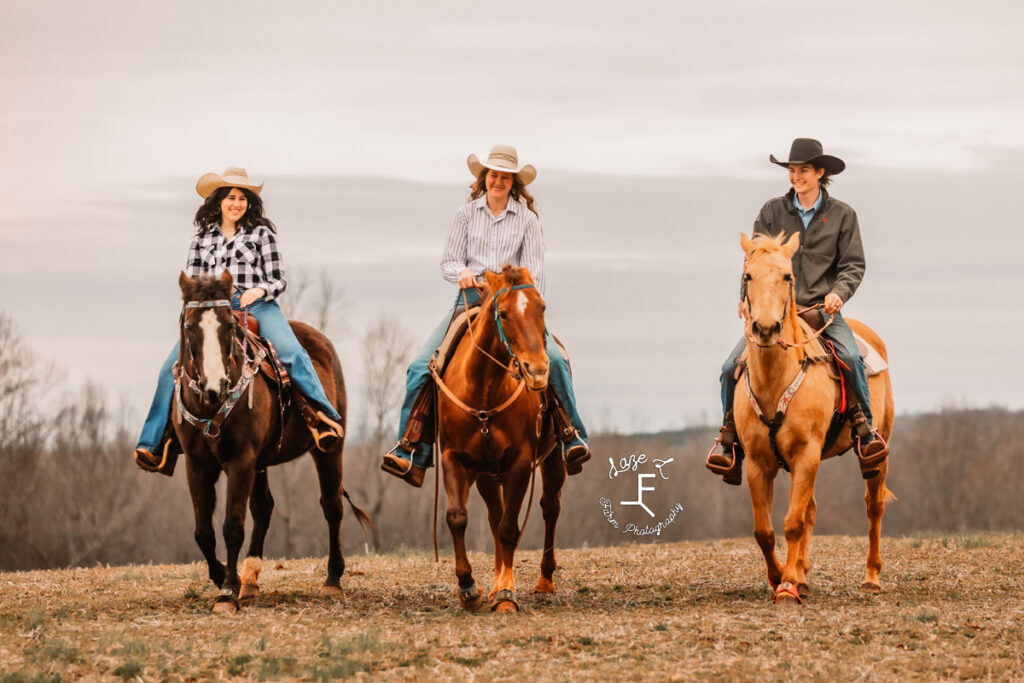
point(951, 609)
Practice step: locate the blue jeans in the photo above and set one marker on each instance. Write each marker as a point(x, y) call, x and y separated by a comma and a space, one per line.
point(418, 375)
point(840, 334)
point(275, 328)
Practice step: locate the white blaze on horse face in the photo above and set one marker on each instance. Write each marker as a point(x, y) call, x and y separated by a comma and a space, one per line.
point(521, 303)
point(214, 374)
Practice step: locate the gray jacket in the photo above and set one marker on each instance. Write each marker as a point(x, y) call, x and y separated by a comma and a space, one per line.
point(831, 256)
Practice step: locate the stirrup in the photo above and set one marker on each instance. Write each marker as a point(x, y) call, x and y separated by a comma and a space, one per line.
point(326, 438)
point(572, 457)
point(869, 463)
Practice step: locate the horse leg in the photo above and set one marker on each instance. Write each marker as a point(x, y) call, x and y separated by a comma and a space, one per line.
point(329, 471)
point(553, 475)
point(457, 481)
point(803, 560)
point(490, 491)
point(514, 491)
point(241, 473)
point(202, 476)
point(874, 499)
point(803, 473)
point(261, 505)
point(762, 486)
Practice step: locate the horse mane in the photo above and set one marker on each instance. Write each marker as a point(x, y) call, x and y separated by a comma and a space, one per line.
point(512, 276)
point(209, 288)
point(767, 244)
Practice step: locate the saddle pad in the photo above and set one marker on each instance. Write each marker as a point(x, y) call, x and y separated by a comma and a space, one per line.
point(873, 361)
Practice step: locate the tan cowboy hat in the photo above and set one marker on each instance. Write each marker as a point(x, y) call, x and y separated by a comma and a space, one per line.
point(502, 158)
point(233, 177)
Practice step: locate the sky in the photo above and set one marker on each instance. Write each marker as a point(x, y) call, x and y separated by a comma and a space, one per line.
point(650, 124)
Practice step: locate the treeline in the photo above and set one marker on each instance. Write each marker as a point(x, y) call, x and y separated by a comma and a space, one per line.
point(71, 495)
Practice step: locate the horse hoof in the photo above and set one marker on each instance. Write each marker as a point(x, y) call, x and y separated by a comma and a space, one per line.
point(870, 587)
point(470, 598)
point(803, 590)
point(228, 607)
point(544, 586)
point(506, 606)
point(248, 591)
point(505, 601)
point(787, 594)
point(330, 589)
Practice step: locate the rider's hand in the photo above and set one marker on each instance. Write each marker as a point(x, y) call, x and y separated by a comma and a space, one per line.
point(251, 295)
point(466, 279)
point(832, 303)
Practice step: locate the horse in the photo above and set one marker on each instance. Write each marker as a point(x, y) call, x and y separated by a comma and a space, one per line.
point(228, 417)
point(493, 433)
point(775, 358)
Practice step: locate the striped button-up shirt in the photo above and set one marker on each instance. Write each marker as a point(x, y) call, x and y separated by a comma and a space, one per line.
point(251, 256)
point(480, 241)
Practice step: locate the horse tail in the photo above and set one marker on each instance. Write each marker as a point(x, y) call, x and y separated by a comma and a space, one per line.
point(364, 519)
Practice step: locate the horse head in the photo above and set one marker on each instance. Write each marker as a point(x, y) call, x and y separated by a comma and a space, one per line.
point(518, 312)
point(768, 276)
point(207, 331)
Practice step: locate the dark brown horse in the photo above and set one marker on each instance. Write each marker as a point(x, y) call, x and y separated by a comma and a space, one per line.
point(491, 432)
point(250, 434)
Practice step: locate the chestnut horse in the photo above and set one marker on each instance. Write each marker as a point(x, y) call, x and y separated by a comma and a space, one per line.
point(491, 432)
point(773, 364)
point(255, 434)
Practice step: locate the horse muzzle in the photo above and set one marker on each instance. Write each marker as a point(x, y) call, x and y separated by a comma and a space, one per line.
point(766, 334)
point(536, 375)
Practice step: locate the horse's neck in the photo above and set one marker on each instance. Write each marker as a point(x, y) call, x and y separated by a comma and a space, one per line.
point(483, 376)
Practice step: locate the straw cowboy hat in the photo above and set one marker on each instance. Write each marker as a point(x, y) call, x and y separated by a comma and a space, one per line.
point(808, 151)
point(233, 177)
point(502, 158)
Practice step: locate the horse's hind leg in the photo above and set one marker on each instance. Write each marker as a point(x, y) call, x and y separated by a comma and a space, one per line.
point(875, 497)
point(762, 484)
point(803, 560)
point(457, 482)
point(553, 474)
point(328, 469)
point(201, 479)
point(261, 505)
point(490, 491)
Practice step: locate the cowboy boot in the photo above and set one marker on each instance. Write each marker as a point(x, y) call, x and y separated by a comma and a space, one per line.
point(729, 461)
point(869, 445)
point(398, 462)
point(575, 451)
point(326, 432)
point(169, 451)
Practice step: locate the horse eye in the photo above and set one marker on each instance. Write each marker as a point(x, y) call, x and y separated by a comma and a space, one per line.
point(502, 315)
point(788, 277)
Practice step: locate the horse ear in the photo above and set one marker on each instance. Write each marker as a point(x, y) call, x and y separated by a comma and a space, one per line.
point(745, 242)
point(493, 281)
point(185, 283)
point(225, 279)
point(791, 245)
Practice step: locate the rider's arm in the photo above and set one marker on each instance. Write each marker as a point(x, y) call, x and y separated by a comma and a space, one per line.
point(531, 254)
point(849, 258)
point(194, 264)
point(273, 268)
point(456, 249)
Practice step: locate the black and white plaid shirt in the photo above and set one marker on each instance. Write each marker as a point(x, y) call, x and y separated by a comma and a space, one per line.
point(251, 256)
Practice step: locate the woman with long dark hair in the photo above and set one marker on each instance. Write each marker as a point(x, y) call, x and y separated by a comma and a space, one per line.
point(232, 233)
point(498, 226)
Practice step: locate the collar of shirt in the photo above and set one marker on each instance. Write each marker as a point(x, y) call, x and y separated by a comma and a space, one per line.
point(806, 215)
point(511, 207)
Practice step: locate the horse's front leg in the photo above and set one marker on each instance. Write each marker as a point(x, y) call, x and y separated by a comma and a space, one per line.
point(490, 491)
point(261, 505)
point(516, 482)
point(553, 476)
point(202, 476)
point(803, 472)
point(762, 486)
point(457, 482)
point(241, 474)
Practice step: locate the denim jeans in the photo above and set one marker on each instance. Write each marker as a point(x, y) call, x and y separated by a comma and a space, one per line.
point(840, 334)
point(275, 328)
point(418, 375)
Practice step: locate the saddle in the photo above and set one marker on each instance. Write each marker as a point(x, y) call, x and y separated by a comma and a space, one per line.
point(420, 426)
point(248, 321)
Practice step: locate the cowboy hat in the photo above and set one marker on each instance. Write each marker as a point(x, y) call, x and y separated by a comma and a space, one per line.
point(502, 158)
point(808, 151)
point(233, 177)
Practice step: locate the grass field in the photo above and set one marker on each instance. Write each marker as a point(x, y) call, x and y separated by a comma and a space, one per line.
point(952, 608)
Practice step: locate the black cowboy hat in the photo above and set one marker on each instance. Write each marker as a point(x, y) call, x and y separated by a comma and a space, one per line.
point(808, 151)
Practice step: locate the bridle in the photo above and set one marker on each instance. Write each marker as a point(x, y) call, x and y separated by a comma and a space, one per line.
point(210, 427)
point(790, 299)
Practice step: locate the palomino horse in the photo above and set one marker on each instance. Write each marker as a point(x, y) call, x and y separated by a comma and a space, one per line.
point(227, 416)
point(492, 432)
point(775, 359)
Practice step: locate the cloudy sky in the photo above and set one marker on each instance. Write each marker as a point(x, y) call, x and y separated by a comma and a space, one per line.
point(650, 123)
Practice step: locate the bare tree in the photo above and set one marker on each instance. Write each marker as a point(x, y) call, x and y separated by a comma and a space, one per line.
point(316, 298)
